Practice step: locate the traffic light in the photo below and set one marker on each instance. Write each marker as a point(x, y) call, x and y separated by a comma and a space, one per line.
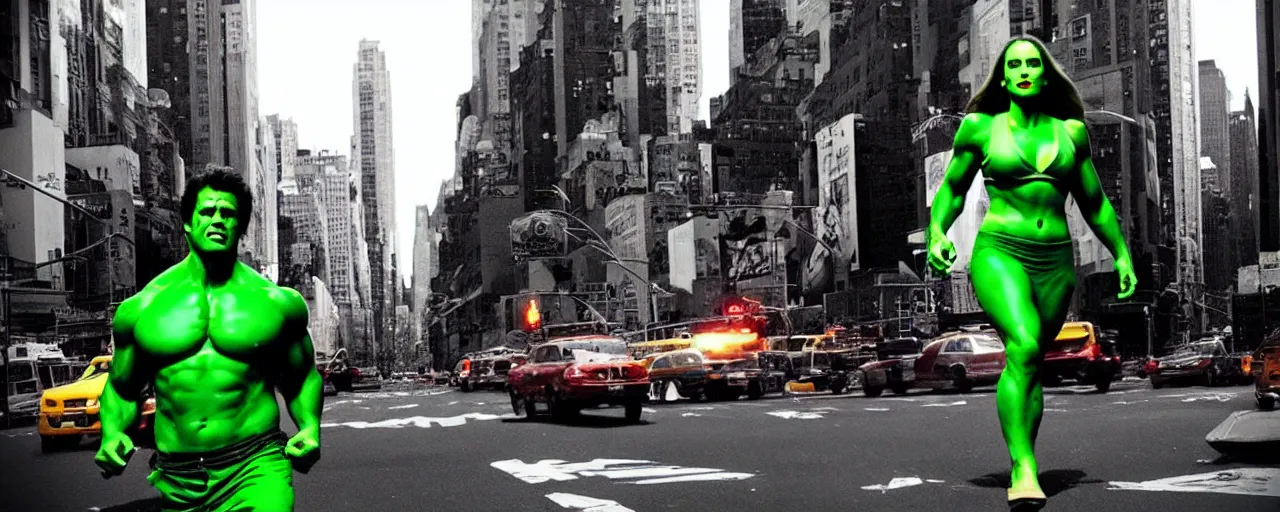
point(531, 316)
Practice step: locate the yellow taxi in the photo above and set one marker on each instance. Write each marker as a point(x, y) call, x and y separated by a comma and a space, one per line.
point(69, 412)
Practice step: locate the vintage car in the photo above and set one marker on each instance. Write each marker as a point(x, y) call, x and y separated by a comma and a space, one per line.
point(1204, 362)
point(824, 370)
point(1265, 366)
point(571, 374)
point(69, 412)
point(959, 361)
point(680, 373)
point(491, 372)
point(755, 374)
point(1080, 355)
point(894, 367)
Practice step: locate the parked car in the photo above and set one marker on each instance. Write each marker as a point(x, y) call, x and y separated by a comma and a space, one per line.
point(755, 374)
point(571, 374)
point(70, 412)
point(825, 370)
point(961, 362)
point(1265, 367)
point(491, 372)
point(683, 372)
point(1079, 354)
point(1205, 362)
point(894, 367)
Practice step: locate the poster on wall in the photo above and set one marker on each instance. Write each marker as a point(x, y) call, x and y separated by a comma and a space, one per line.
point(837, 224)
point(538, 235)
point(745, 245)
point(935, 169)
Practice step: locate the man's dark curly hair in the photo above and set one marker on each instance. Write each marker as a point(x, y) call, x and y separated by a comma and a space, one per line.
point(221, 180)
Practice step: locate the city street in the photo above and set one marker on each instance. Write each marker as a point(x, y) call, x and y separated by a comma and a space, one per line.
point(441, 449)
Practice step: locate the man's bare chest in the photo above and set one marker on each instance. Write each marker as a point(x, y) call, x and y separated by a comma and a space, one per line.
point(180, 321)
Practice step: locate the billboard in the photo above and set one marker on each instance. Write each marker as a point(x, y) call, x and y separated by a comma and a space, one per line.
point(836, 219)
point(115, 166)
point(976, 203)
point(538, 235)
point(746, 249)
point(625, 226)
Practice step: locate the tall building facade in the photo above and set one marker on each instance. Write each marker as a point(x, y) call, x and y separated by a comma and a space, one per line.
point(1246, 205)
point(424, 241)
point(752, 23)
point(675, 57)
point(32, 131)
point(285, 134)
point(1174, 74)
point(1269, 123)
point(371, 89)
point(1215, 138)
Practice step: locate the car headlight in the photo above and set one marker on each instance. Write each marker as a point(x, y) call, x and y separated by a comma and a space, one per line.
point(91, 402)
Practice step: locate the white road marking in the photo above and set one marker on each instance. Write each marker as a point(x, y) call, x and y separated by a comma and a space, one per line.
point(421, 421)
point(1221, 397)
point(1247, 481)
point(648, 472)
point(19, 434)
point(797, 415)
point(586, 503)
point(690, 415)
point(1129, 403)
point(898, 399)
point(877, 409)
point(1055, 410)
point(455, 402)
point(406, 406)
point(647, 410)
point(952, 404)
point(898, 483)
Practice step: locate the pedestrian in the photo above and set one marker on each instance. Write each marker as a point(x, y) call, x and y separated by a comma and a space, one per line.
point(1025, 131)
point(217, 339)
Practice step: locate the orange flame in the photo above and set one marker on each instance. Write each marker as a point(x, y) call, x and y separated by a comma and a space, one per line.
point(533, 317)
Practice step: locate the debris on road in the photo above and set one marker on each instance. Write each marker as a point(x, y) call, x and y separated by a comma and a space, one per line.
point(898, 483)
point(646, 472)
point(1247, 481)
point(586, 503)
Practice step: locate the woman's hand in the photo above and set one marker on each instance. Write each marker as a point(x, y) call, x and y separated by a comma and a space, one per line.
point(942, 254)
point(1128, 280)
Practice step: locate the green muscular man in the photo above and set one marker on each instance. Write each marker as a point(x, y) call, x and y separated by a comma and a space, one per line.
point(1025, 130)
point(215, 339)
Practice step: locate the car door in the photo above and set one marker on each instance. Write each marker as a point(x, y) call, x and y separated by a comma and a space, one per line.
point(661, 368)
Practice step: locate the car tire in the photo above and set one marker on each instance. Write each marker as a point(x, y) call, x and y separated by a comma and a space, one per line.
point(1211, 377)
point(1266, 403)
point(754, 390)
point(49, 444)
point(872, 391)
point(465, 386)
point(1103, 385)
point(1156, 383)
point(1052, 381)
point(517, 402)
point(961, 380)
point(900, 389)
point(634, 409)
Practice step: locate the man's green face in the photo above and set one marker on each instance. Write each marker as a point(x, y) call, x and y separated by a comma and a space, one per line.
point(1023, 70)
point(214, 226)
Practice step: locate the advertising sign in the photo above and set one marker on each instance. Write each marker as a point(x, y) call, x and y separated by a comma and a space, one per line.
point(836, 220)
point(538, 235)
point(976, 203)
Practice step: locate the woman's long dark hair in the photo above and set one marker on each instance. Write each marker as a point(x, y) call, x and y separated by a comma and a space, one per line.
point(1058, 98)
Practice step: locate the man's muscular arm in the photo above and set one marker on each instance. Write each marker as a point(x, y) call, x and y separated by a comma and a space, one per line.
point(300, 383)
point(122, 395)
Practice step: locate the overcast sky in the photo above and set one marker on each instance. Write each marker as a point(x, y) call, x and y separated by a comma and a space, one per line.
point(306, 49)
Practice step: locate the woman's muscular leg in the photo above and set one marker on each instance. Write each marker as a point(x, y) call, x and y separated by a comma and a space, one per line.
point(1004, 291)
point(1052, 299)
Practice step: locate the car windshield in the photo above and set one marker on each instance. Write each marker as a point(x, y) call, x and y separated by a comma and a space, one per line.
point(1199, 349)
point(98, 369)
point(19, 372)
point(603, 346)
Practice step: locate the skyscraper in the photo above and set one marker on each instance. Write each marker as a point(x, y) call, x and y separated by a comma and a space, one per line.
point(675, 56)
point(424, 242)
point(1269, 123)
point(1245, 205)
point(371, 90)
point(1215, 105)
point(1174, 75)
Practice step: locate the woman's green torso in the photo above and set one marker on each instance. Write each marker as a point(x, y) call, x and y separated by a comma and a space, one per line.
point(1027, 174)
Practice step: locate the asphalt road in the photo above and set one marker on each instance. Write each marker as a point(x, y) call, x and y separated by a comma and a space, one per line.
point(441, 449)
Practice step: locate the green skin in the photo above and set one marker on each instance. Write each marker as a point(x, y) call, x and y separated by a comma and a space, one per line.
point(213, 336)
point(1031, 210)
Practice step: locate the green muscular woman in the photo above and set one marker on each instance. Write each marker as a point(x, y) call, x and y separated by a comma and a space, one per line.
point(1025, 130)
